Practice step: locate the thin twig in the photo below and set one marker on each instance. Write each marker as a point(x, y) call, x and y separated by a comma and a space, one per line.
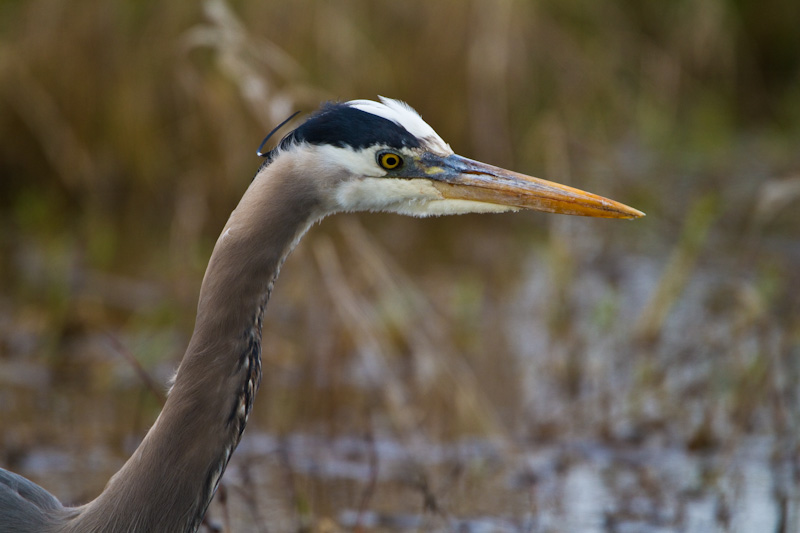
point(369, 490)
point(149, 382)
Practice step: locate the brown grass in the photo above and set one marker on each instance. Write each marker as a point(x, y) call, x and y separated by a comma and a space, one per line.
point(128, 133)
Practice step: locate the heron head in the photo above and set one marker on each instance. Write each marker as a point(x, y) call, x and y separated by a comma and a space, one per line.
point(382, 156)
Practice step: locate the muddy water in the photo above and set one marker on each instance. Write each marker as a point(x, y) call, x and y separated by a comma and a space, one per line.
point(595, 426)
point(479, 486)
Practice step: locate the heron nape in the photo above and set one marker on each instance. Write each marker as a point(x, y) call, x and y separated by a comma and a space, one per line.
point(359, 155)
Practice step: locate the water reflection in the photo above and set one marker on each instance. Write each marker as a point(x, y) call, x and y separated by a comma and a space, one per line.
point(480, 486)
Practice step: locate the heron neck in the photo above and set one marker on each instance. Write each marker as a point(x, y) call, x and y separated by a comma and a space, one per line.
point(169, 481)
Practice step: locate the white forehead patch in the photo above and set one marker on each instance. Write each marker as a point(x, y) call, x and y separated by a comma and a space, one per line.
point(404, 115)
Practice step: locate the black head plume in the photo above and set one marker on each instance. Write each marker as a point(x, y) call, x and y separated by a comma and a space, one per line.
point(260, 153)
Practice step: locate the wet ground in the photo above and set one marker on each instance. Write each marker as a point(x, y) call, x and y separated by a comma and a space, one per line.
point(476, 486)
point(509, 373)
point(563, 411)
point(306, 482)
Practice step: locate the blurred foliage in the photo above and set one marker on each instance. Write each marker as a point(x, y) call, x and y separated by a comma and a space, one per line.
point(127, 106)
point(128, 132)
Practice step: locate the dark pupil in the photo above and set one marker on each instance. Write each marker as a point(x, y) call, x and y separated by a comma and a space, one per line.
point(390, 161)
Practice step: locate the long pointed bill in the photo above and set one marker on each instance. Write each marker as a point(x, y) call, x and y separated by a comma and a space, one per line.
point(460, 178)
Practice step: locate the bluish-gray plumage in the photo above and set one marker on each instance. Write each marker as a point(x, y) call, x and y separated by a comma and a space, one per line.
point(356, 156)
point(24, 506)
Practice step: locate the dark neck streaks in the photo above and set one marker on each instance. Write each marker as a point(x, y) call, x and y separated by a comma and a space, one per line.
point(169, 481)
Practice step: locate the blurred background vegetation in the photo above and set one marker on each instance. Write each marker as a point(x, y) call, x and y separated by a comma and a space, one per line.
point(128, 132)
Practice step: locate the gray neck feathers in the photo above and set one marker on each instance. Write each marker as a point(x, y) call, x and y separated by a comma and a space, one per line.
point(169, 481)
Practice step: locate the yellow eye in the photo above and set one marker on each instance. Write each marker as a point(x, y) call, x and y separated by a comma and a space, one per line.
point(389, 160)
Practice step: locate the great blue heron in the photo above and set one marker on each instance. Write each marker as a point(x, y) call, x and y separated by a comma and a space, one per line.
point(355, 156)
